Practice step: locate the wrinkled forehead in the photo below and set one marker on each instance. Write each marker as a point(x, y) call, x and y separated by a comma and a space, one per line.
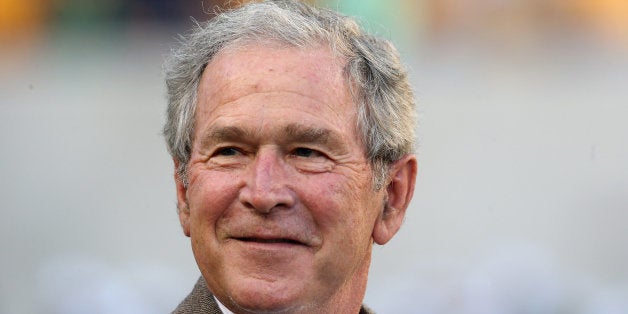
point(313, 71)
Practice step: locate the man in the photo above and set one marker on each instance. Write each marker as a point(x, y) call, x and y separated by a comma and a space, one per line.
point(292, 133)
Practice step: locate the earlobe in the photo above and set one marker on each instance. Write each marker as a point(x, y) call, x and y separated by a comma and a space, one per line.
point(182, 206)
point(398, 196)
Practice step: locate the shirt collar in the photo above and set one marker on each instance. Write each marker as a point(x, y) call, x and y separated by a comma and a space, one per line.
point(223, 308)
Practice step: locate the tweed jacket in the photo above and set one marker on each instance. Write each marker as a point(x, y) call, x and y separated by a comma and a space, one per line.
point(201, 301)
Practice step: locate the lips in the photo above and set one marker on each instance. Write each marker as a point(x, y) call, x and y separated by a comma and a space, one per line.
point(269, 240)
point(288, 232)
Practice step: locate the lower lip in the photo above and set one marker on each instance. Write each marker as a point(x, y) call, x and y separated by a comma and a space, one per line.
point(270, 245)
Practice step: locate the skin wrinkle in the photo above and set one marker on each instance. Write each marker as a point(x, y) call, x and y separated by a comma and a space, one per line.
point(313, 77)
point(292, 133)
point(338, 114)
point(341, 158)
point(223, 86)
point(280, 222)
point(227, 100)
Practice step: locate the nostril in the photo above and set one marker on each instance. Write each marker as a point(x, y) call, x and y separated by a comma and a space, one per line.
point(265, 189)
point(262, 202)
point(266, 203)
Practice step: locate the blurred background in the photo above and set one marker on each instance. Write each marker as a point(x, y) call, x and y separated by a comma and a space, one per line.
point(522, 197)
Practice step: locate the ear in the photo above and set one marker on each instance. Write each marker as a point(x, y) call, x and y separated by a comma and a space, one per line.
point(182, 202)
point(398, 194)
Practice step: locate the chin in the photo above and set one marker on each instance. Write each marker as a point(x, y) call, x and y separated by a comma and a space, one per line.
point(261, 296)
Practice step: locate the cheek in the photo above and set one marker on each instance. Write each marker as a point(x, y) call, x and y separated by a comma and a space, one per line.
point(340, 206)
point(209, 196)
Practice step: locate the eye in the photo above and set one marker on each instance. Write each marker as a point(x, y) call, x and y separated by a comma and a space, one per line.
point(227, 151)
point(306, 152)
point(310, 160)
point(228, 157)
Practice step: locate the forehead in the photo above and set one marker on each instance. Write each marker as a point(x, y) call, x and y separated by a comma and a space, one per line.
point(312, 72)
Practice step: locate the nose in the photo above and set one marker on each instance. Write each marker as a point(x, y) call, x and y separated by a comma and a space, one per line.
point(267, 187)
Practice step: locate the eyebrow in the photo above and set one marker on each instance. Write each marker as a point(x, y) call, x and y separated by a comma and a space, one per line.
point(295, 133)
point(225, 134)
point(304, 134)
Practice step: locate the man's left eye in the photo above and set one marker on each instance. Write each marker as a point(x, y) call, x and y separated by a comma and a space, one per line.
point(310, 160)
point(305, 152)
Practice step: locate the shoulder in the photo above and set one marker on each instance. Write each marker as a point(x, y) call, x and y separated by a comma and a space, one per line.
point(366, 310)
point(200, 300)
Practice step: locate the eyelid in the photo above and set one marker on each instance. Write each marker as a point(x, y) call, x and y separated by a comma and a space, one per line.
point(222, 148)
point(314, 151)
point(316, 162)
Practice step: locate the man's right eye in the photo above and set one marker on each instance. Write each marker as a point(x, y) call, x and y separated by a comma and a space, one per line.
point(227, 151)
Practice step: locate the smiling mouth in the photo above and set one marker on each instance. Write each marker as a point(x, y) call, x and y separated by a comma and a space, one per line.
point(271, 241)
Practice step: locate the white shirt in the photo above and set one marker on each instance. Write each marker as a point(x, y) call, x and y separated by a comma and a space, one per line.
point(223, 308)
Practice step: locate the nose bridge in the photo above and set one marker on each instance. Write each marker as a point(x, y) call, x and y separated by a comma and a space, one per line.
point(267, 170)
point(266, 186)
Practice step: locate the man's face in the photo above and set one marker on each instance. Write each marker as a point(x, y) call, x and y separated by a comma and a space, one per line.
point(280, 205)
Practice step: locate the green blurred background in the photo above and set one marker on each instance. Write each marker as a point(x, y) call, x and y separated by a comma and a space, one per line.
point(522, 197)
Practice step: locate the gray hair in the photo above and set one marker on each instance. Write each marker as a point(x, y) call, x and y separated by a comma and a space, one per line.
point(377, 79)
